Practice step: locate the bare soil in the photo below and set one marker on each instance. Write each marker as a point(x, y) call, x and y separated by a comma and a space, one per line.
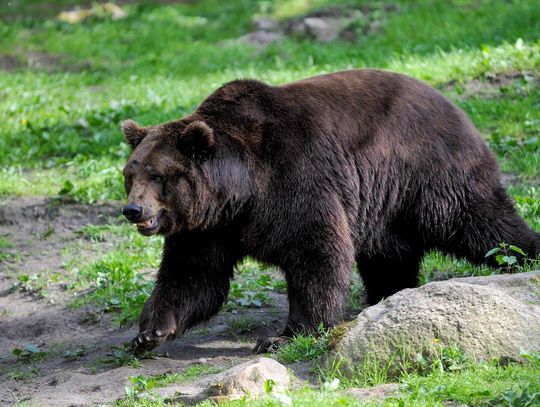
point(39, 230)
point(493, 87)
point(40, 60)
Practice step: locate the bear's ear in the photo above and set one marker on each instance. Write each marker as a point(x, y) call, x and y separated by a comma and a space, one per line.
point(133, 133)
point(197, 140)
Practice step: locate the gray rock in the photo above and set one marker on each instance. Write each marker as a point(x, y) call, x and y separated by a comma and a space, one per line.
point(266, 24)
point(487, 317)
point(260, 39)
point(244, 380)
point(320, 29)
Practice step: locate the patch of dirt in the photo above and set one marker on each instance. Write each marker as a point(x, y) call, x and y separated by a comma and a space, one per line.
point(9, 62)
point(40, 229)
point(495, 85)
point(374, 394)
point(509, 179)
point(40, 60)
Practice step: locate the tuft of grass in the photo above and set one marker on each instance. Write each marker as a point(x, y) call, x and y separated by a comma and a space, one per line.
point(5, 253)
point(5, 243)
point(438, 266)
point(302, 347)
point(241, 324)
point(21, 374)
point(100, 233)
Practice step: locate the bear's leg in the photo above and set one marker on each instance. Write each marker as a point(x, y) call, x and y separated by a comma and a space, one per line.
point(485, 225)
point(318, 282)
point(384, 275)
point(192, 283)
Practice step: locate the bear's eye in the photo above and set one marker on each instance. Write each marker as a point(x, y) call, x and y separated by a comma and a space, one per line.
point(156, 178)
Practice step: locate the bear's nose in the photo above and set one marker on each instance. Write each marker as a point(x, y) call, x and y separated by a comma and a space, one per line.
point(132, 212)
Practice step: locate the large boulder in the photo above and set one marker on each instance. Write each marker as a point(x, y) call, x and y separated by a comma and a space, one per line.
point(487, 317)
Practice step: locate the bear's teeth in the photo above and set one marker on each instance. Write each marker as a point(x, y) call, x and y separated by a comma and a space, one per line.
point(145, 223)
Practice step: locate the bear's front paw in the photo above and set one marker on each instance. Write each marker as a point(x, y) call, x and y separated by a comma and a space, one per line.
point(270, 344)
point(149, 339)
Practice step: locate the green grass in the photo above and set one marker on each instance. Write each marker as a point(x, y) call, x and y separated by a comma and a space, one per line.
point(5, 243)
point(241, 324)
point(114, 282)
point(5, 246)
point(479, 384)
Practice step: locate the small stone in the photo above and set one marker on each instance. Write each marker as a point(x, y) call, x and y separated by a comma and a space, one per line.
point(266, 24)
point(260, 39)
point(249, 378)
point(244, 380)
point(323, 30)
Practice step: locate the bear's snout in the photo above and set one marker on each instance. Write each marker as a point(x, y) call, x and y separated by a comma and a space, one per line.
point(132, 212)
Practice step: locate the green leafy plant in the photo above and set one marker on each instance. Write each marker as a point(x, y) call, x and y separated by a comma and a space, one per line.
point(29, 354)
point(518, 397)
point(75, 354)
point(505, 254)
point(139, 384)
point(122, 356)
point(31, 283)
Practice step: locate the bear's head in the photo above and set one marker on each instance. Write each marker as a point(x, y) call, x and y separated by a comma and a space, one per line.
point(175, 179)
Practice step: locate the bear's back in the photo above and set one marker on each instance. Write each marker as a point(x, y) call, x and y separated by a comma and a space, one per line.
point(365, 107)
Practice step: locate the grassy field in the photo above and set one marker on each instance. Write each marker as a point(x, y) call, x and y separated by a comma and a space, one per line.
point(65, 88)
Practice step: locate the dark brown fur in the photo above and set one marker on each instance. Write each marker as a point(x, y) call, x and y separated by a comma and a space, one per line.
point(358, 166)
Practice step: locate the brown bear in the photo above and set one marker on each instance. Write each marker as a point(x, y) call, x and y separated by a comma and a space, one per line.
point(311, 176)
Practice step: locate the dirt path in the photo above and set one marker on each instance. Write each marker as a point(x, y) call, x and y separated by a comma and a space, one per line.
point(38, 232)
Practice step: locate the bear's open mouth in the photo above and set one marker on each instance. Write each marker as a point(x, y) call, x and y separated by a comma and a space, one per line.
point(150, 224)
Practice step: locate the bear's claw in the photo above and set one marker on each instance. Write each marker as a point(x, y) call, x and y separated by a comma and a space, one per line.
point(148, 340)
